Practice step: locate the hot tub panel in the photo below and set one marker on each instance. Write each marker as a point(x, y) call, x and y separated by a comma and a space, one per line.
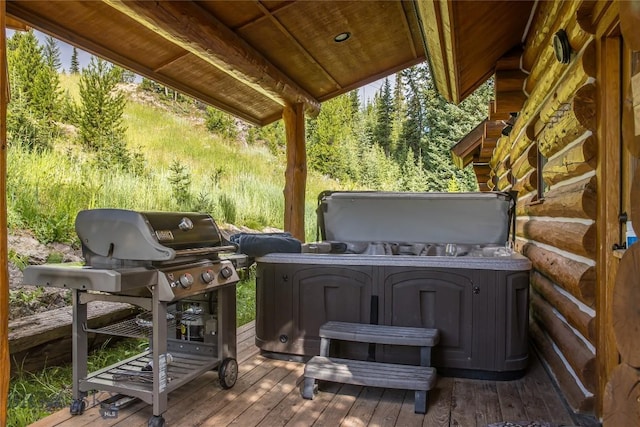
point(482, 315)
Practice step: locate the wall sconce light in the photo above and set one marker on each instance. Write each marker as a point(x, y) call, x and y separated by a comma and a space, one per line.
point(561, 47)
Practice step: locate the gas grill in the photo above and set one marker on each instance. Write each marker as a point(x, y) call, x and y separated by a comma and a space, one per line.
point(169, 265)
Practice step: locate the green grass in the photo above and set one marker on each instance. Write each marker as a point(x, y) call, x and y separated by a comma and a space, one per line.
point(246, 298)
point(233, 181)
point(46, 190)
point(34, 395)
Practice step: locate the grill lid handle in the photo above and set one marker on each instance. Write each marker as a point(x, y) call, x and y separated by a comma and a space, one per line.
point(120, 234)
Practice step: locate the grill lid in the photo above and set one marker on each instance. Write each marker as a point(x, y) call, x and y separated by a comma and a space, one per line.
point(146, 236)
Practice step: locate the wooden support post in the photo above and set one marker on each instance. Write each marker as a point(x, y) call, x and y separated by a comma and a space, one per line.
point(608, 178)
point(4, 258)
point(296, 172)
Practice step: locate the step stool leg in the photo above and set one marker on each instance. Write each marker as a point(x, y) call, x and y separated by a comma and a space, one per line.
point(308, 388)
point(425, 356)
point(325, 343)
point(421, 401)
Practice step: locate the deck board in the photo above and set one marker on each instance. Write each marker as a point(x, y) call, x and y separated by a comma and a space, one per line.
point(267, 394)
point(363, 408)
point(511, 404)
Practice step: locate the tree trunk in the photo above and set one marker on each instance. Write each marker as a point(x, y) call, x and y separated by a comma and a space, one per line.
point(526, 162)
point(577, 318)
point(577, 200)
point(569, 122)
point(574, 237)
point(581, 359)
point(575, 161)
point(626, 307)
point(572, 391)
point(631, 117)
point(296, 172)
point(630, 23)
point(582, 73)
point(621, 397)
point(575, 277)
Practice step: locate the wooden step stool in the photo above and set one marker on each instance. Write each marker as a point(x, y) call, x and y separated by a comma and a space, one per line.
point(389, 375)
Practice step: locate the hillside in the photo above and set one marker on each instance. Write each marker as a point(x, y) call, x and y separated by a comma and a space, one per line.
point(247, 177)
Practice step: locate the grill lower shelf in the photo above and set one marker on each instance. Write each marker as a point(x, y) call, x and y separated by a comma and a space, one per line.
point(128, 378)
point(133, 328)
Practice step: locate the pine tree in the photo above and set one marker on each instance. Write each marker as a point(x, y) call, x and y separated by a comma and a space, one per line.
point(384, 111)
point(355, 102)
point(329, 137)
point(75, 65)
point(414, 126)
point(51, 54)
point(35, 93)
point(101, 123)
point(25, 59)
point(399, 112)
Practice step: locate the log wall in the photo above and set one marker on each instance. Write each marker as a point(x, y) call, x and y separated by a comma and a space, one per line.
point(557, 229)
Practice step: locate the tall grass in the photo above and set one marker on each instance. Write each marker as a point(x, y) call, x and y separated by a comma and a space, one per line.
point(240, 184)
point(235, 182)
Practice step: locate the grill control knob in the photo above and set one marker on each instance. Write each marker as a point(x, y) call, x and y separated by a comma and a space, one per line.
point(226, 272)
point(186, 280)
point(208, 276)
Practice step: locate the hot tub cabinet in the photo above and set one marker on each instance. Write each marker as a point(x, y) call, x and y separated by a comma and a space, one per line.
point(481, 313)
point(479, 303)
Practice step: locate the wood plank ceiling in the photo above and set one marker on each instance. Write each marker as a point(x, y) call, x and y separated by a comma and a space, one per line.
point(251, 58)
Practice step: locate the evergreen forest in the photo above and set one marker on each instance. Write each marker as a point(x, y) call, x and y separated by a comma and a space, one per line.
point(100, 136)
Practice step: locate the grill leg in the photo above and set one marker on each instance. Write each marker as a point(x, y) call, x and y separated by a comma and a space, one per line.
point(79, 344)
point(159, 347)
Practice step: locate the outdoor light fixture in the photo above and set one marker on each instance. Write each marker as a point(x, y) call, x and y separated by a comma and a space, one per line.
point(342, 37)
point(561, 47)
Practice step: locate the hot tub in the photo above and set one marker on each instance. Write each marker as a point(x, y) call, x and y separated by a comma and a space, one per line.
point(382, 259)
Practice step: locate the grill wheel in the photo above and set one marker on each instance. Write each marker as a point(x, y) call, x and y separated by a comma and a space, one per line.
point(228, 373)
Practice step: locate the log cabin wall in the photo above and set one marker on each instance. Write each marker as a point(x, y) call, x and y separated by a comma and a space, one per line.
point(553, 144)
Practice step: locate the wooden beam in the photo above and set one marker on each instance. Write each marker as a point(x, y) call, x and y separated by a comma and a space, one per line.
point(576, 352)
point(583, 322)
point(4, 256)
point(16, 25)
point(509, 80)
point(75, 39)
point(576, 237)
point(462, 152)
point(509, 102)
point(629, 22)
point(576, 200)
point(608, 176)
point(575, 277)
point(435, 22)
point(191, 27)
point(296, 172)
point(493, 129)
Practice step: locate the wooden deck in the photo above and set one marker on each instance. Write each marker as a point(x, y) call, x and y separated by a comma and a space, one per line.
point(267, 394)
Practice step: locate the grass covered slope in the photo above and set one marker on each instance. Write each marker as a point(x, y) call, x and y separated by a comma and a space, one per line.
point(186, 167)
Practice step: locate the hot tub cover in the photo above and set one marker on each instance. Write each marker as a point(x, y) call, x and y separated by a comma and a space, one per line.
point(462, 218)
